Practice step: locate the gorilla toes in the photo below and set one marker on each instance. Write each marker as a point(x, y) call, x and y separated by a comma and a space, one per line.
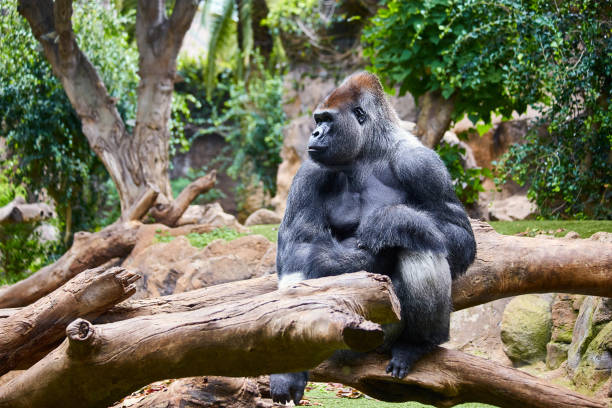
point(403, 358)
point(288, 387)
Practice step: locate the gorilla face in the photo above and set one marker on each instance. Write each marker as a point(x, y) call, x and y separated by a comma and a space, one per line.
point(338, 136)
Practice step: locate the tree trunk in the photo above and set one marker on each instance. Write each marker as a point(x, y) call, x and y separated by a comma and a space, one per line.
point(24, 335)
point(434, 117)
point(245, 337)
point(137, 163)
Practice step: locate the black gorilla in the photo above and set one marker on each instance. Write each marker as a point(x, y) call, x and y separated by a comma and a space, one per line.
point(372, 197)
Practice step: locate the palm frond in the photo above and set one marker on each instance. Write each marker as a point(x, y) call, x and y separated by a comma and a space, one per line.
point(246, 23)
point(219, 27)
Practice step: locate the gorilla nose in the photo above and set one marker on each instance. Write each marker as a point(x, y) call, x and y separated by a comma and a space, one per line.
point(316, 133)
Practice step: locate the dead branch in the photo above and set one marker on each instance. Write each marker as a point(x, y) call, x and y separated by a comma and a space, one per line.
point(146, 201)
point(88, 251)
point(30, 331)
point(508, 265)
point(103, 363)
point(445, 378)
point(169, 214)
point(19, 211)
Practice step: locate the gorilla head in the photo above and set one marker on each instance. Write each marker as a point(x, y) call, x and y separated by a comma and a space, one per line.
point(348, 119)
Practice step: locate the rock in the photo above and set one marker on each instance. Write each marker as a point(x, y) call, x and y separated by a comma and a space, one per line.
point(475, 330)
point(595, 312)
point(263, 216)
point(564, 316)
point(176, 266)
point(516, 207)
point(46, 232)
point(596, 363)
point(211, 214)
point(525, 328)
point(602, 236)
point(556, 354)
point(572, 235)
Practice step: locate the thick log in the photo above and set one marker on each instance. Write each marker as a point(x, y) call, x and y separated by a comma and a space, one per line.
point(445, 378)
point(509, 265)
point(103, 363)
point(19, 211)
point(434, 118)
point(89, 250)
point(36, 327)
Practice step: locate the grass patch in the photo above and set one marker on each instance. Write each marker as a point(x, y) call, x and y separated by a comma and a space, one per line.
point(338, 396)
point(558, 228)
point(268, 231)
point(201, 240)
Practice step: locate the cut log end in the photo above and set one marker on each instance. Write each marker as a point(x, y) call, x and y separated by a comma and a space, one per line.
point(80, 331)
point(364, 336)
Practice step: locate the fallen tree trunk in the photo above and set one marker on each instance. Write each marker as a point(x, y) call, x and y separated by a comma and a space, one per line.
point(509, 265)
point(445, 378)
point(27, 333)
point(89, 250)
point(103, 363)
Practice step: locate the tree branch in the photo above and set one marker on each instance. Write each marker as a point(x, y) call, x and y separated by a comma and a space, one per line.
point(239, 338)
point(445, 378)
point(32, 330)
point(88, 251)
point(169, 214)
point(19, 211)
point(508, 265)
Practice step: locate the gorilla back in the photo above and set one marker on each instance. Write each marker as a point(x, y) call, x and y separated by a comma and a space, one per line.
point(372, 197)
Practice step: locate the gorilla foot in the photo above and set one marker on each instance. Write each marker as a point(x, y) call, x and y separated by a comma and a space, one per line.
point(403, 357)
point(287, 387)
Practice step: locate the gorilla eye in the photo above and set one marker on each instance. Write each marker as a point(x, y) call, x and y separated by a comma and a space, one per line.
point(360, 115)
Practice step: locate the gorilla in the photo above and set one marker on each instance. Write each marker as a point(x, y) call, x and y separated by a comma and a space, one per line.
point(372, 197)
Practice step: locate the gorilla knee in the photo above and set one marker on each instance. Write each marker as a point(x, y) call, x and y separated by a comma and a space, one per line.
point(288, 387)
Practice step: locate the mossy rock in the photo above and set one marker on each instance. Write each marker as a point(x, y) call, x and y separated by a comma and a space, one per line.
point(526, 328)
point(556, 354)
point(596, 362)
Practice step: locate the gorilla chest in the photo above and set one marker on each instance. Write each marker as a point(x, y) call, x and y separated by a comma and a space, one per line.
point(349, 201)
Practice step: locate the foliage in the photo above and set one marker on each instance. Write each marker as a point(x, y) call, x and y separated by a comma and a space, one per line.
point(503, 56)
point(21, 251)
point(252, 122)
point(467, 181)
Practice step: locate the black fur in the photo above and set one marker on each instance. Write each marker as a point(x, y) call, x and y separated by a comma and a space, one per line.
point(371, 197)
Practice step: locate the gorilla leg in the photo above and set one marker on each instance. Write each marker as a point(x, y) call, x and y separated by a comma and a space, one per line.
point(287, 387)
point(422, 282)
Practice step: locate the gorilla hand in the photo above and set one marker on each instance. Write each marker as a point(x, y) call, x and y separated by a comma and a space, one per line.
point(287, 387)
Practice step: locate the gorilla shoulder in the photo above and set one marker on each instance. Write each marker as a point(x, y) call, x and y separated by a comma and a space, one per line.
point(421, 171)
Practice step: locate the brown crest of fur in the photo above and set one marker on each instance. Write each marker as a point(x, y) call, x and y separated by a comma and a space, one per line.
point(351, 90)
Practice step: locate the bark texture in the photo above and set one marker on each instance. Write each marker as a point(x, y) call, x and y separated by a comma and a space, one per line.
point(88, 250)
point(434, 117)
point(508, 265)
point(103, 363)
point(32, 330)
point(445, 378)
point(139, 161)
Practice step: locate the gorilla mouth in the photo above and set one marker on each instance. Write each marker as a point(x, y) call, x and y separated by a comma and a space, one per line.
point(315, 149)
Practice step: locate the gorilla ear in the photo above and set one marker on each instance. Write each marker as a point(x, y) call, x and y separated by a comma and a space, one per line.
point(360, 115)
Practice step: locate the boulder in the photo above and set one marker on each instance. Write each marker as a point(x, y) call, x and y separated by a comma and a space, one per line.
point(210, 214)
point(516, 207)
point(525, 328)
point(595, 365)
point(594, 313)
point(263, 216)
point(564, 315)
point(602, 236)
point(556, 354)
point(176, 266)
point(475, 330)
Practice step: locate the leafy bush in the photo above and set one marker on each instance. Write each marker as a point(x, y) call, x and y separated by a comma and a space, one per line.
point(503, 56)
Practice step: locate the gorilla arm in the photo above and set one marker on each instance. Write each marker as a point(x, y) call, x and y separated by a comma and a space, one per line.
point(306, 247)
point(439, 224)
